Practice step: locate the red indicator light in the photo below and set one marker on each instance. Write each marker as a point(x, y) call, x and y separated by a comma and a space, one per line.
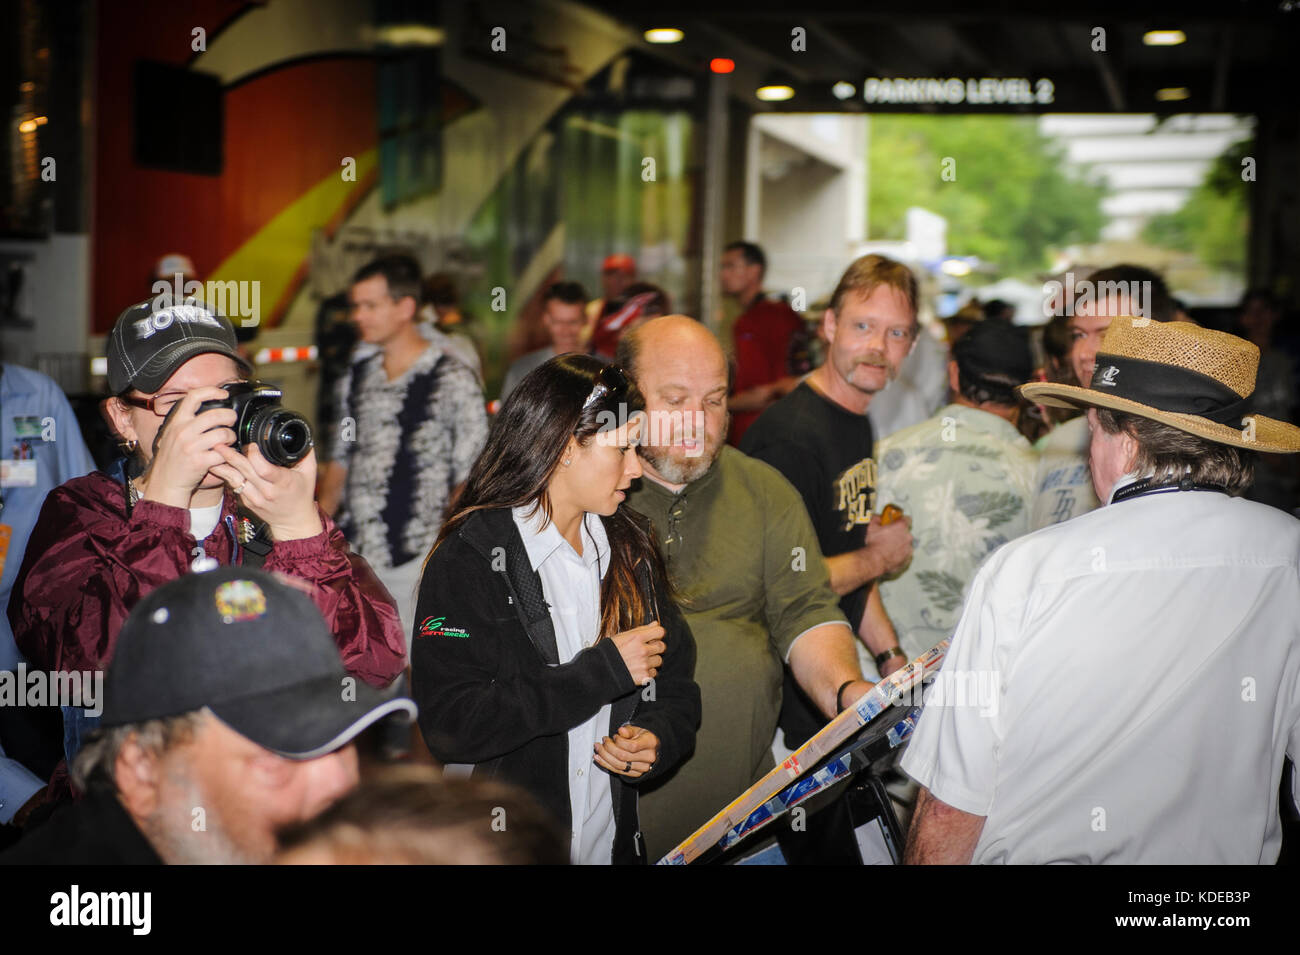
point(720, 64)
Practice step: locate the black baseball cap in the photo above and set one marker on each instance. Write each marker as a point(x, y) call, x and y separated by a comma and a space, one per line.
point(994, 350)
point(153, 338)
point(254, 650)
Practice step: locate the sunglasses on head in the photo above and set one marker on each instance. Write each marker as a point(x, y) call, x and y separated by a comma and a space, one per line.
point(609, 380)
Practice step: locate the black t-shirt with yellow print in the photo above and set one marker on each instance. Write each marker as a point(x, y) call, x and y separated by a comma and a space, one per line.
point(825, 451)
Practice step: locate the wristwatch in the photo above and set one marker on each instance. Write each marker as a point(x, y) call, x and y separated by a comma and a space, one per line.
point(883, 657)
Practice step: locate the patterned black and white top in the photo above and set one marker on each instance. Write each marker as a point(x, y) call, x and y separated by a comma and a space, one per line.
point(406, 444)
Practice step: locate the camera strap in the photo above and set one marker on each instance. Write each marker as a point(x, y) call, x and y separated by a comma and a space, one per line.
point(124, 470)
point(256, 548)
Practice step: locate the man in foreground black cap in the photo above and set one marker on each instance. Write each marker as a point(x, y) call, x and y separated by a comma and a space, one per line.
point(227, 714)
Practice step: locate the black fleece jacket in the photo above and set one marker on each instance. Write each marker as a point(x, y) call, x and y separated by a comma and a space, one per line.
point(485, 671)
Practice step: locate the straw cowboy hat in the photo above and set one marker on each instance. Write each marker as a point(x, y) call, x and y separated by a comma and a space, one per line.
point(1191, 378)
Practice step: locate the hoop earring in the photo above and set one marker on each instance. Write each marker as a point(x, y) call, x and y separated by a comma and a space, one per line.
point(130, 447)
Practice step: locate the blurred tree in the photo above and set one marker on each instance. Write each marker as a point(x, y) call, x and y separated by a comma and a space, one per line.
point(1214, 221)
point(1012, 198)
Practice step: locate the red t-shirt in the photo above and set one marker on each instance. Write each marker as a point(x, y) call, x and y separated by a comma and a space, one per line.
point(762, 334)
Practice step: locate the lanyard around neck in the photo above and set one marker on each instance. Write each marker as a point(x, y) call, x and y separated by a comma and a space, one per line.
point(1146, 486)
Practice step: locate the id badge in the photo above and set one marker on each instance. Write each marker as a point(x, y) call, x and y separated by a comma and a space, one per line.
point(27, 426)
point(17, 473)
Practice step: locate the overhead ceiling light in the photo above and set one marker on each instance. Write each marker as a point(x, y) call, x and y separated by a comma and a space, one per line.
point(1171, 94)
point(410, 34)
point(664, 35)
point(1164, 37)
point(775, 86)
point(720, 64)
point(774, 93)
point(843, 90)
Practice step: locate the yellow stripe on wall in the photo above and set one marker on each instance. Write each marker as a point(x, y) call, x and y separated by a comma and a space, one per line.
point(276, 252)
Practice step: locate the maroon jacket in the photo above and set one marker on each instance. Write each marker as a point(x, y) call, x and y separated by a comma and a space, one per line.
point(87, 564)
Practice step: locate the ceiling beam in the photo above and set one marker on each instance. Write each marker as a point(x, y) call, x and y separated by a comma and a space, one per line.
point(1110, 65)
point(1175, 12)
point(965, 44)
point(1219, 92)
point(850, 55)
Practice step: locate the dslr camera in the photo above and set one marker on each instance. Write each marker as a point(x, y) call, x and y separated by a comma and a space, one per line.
point(283, 436)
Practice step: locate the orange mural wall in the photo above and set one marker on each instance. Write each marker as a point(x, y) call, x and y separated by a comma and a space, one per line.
point(286, 129)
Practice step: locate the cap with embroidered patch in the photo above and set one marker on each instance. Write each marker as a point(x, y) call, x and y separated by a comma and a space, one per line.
point(251, 648)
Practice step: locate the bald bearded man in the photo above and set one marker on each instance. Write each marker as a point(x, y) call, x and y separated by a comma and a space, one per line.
point(744, 557)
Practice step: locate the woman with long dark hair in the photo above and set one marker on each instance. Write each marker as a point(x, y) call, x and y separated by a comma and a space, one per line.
point(548, 651)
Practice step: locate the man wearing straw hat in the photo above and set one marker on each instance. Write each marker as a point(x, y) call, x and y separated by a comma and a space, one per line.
point(1147, 653)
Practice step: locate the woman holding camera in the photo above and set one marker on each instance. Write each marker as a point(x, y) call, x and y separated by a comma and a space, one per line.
point(171, 505)
point(549, 652)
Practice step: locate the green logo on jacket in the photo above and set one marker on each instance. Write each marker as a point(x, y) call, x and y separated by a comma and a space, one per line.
point(434, 627)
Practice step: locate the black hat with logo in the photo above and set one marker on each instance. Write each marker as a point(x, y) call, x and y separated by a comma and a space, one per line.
point(153, 338)
point(253, 649)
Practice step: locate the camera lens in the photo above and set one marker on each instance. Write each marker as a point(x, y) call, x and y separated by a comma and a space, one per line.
point(283, 437)
point(294, 438)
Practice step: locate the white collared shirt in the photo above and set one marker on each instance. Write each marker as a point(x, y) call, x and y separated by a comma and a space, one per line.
point(1123, 481)
point(571, 585)
point(1131, 681)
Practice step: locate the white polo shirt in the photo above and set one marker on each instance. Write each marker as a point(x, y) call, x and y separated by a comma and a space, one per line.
point(1132, 682)
point(571, 585)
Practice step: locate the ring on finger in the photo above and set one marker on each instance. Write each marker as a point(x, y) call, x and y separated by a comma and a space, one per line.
point(238, 490)
point(628, 767)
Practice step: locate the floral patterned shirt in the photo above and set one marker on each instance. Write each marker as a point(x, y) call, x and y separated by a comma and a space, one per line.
point(965, 478)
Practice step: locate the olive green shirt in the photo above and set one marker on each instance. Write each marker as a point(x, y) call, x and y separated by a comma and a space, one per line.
point(751, 580)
